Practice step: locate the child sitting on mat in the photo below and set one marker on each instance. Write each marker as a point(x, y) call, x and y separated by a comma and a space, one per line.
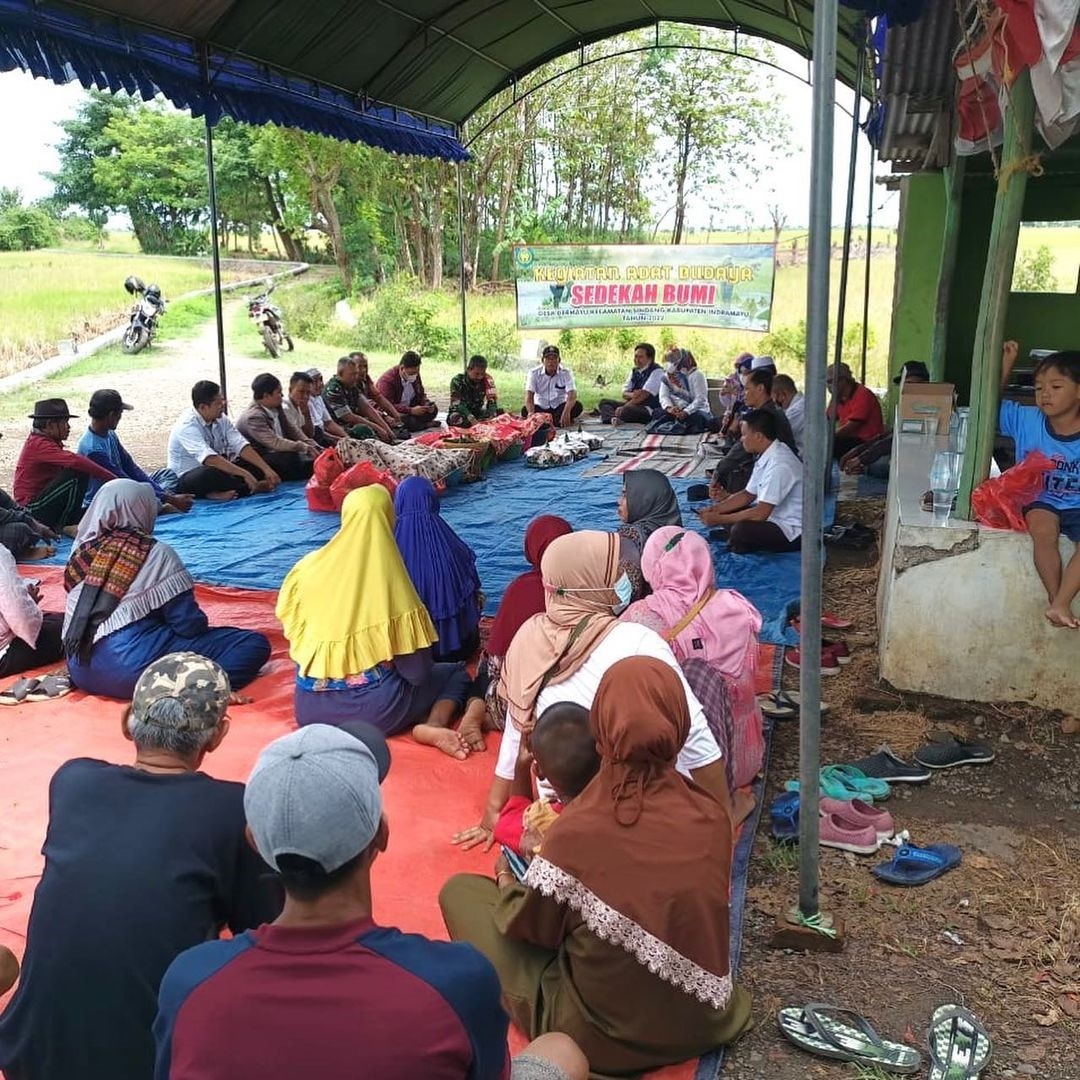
point(564, 759)
point(1054, 430)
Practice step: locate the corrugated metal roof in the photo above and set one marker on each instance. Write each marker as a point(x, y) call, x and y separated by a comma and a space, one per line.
point(918, 89)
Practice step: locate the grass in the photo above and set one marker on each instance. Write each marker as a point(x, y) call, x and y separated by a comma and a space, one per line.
point(186, 318)
point(1064, 245)
point(49, 296)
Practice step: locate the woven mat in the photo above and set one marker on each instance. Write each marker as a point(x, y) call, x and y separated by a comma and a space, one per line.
point(686, 457)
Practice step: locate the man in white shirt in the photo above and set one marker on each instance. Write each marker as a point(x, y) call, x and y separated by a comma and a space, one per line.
point(640, 393)
point(325, 430)
point(283, 445)
point(550, 389)
point(786, 394)
point(767, 514)
point(684, 393)
point(211, 458)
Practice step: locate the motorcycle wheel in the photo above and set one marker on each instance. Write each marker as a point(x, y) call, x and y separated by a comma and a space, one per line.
point(288, 343)
point(135, 339)
point(270, 341)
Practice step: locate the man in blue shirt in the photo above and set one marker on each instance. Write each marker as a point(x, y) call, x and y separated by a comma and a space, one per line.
point(100, 443)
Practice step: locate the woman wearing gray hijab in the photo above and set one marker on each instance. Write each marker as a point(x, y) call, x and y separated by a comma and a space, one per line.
point(647, 503)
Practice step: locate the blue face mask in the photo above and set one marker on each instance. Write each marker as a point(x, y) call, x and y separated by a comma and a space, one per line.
point(624, 590)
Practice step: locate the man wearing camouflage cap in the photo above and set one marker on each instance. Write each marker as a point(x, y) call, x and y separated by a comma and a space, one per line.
point(141, 862)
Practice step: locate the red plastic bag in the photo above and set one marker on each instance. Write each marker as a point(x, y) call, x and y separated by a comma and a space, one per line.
point(362, 474)
point(319, 497)
point(327, 468)
point(999, 502)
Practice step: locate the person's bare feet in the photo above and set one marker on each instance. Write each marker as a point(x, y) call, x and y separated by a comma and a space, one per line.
point(262, 487)
point(165, 508)
point(1062, 617)
point(42, 551)
point(742, 805)
point(236, 698)
point(445, 739)
point(70, 531)
point(471, 728)
point(221, 496)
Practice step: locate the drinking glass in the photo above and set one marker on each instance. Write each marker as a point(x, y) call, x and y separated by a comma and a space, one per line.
point(944, 483)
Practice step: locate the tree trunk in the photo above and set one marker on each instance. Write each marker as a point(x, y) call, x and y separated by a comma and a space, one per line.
point(680, 185)
point(416, 232)
point(292, 249)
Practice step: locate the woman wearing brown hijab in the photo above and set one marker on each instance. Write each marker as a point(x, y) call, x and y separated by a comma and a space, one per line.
point(619, 935)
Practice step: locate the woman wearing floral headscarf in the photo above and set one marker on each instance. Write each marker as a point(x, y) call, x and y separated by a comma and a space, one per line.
point(617, 936)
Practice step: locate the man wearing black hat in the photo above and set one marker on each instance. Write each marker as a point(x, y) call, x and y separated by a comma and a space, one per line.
point(100, 443)
point(550, 389)
point(50, 481)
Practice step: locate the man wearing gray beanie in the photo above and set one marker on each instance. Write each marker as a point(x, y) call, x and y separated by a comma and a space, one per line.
point(324, 991)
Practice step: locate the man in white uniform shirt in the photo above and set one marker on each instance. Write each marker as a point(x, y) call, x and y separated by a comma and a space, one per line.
point(550, 389)
point(211, 458)
point(767, 515)
point(786, 394)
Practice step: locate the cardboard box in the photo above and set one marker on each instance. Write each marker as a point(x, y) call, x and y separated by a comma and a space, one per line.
point(926, 408)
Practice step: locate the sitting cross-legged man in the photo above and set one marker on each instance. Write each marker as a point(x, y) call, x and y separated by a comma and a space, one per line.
point(348, 406)
point(327, 430)
point(22, 534)
point(640, 393)
point(404, 389)
point(550, 389)
point(100, 443)
point(324, 990)
point(210, 457)
point(473, 396)
point(51, 482)
point(767, 514)
point(283, 446)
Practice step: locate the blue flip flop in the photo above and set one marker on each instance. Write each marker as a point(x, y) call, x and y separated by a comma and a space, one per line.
point(913, 865)
point(784, 815)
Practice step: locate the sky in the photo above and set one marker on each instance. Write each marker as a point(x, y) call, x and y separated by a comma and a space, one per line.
point(32, 108)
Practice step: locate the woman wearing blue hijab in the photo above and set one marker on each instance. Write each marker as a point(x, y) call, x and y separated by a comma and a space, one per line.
point(442, 567)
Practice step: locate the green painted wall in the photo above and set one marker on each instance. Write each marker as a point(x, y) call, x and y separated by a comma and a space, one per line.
point(918, 255)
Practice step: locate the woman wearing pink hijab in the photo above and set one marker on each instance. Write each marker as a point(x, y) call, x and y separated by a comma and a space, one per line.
point(713, 633)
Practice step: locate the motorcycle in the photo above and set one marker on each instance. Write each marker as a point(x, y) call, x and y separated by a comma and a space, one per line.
point(268, 318)
point(144, 315)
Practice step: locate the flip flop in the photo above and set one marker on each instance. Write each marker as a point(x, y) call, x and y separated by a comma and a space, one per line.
point(777, 705)
point(50, 687)
point(18, 691)
point(784, 816)
point(845, 782)
point(913, 865)
point(780, 700)
point(960, 1047)
point(844, 1035)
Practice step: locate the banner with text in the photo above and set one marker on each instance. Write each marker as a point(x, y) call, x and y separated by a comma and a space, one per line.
point(566, 286)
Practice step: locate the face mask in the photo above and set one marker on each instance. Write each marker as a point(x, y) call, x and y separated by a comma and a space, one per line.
point(624, 590)
point(409, 378)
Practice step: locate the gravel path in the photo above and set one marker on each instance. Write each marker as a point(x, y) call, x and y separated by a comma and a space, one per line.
point(159, 393)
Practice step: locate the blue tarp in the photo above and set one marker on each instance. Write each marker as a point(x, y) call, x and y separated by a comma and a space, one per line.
point(252, 543)
point(110, 53)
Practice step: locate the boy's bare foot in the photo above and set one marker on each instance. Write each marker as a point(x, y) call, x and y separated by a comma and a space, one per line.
point(42, 551)
point(471, 728)
point(70, 531)
point(1062, 617)
point(262, 487)
point(221, 496)
point(445, 739)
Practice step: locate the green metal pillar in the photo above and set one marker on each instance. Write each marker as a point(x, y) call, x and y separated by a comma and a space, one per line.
point(997, 281)
point(950, 242)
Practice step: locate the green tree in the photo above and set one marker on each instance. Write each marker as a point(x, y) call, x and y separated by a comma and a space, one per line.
point(716, 111)
point(1034, 271)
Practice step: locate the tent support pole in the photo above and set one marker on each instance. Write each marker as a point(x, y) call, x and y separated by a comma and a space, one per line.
point(464, 278)
point(815, 461)
point(845, 254)
point(869, 253)
point(215, 251)
point(997, 283)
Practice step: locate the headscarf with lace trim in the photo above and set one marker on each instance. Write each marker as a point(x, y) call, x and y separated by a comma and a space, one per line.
point(642, 854)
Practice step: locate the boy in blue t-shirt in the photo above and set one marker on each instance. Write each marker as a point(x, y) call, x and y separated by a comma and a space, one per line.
point(1054, 429)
